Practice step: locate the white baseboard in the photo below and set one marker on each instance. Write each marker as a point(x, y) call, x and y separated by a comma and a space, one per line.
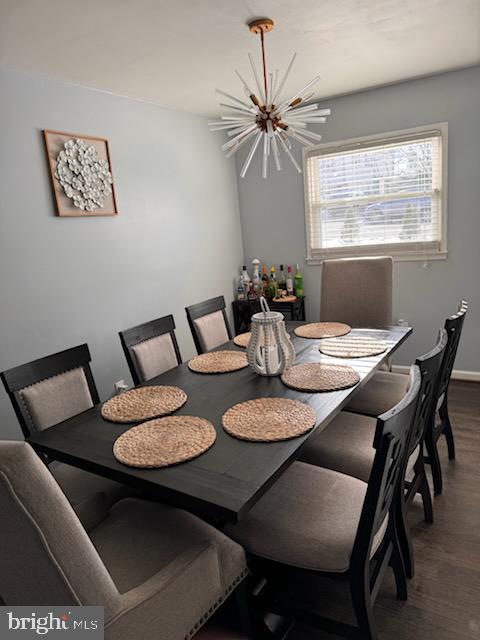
point(457, 374)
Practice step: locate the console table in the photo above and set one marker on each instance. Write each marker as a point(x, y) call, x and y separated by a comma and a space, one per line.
point(244, 309)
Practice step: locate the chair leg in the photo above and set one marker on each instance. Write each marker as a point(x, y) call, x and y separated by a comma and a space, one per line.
point(426, 499)
point(447, 429)
point(403, 539)
point(396, 562)
point(362, 605)
point(434, 462)
point(244, 610)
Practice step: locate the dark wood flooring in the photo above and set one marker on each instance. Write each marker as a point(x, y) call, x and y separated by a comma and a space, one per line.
point(444, 596)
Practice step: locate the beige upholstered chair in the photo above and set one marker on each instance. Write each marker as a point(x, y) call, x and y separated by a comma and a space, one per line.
point(357, 291)
point(158, 571)
point(209, 324)
point(151, 348)
point(48, 391)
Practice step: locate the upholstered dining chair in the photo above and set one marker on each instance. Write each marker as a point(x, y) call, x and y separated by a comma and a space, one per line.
point(159, 572)
point(386, 388)
point(151, 348)
point(48, 391)
point(346, 445)
point(209, 324)
point(316, 521)
point(357, 291)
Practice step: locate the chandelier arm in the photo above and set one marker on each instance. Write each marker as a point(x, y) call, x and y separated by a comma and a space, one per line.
point(249, 157)
point(231, 143)
point(282, 84)
point(250, 111)
point(289, 153)
point(239, 144)
point(265, 157)
point(230, 97)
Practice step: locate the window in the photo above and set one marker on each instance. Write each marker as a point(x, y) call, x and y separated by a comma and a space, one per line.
point(378, 195)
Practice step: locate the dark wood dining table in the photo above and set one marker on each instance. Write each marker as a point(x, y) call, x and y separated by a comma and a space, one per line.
point(225, 482)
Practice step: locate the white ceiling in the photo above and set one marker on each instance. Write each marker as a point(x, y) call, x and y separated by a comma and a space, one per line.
point(174, 53)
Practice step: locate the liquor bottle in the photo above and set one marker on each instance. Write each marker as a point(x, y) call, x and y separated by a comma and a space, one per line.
point(273, 288)
point(256, 281)
point(241, 289)
point(298, 283)
point(264, 273)
point(246, 277)
point(282, 281)
point(289, 281)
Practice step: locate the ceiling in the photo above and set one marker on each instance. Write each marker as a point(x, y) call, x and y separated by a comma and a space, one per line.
point(174, 53)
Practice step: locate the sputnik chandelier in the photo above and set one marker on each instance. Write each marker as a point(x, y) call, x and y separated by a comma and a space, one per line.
point(267, 115)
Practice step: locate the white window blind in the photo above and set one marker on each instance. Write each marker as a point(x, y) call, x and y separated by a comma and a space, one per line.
point(376, 196)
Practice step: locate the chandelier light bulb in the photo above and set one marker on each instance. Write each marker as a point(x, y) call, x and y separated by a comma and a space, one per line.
point(267, 115)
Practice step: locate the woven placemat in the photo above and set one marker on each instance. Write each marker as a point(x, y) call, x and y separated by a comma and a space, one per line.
point(242, 339)
point(218, 362)
point(316, 330)
point(143, 403)
point(268, 419)
point(285, 299)
point(352, 347)
point(163, 442)
point(314, 376)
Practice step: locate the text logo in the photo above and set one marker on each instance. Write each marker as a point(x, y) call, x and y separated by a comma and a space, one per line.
point(22, 623)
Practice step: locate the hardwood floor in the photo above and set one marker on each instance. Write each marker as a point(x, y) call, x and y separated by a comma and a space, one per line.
point(444, 596)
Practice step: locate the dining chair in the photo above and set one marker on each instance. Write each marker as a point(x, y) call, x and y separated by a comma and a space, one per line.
point(346, 446)
point(151, 348)
point(386, 388)
point(209, 324)
point(357, 291)
point(453, 326)
point(159, 572)
point(314, 521)
point(48, 391)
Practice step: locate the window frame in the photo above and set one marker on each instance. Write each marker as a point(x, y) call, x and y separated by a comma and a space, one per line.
point(409, 253)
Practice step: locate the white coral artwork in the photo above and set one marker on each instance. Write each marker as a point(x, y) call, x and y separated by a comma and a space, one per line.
point(85, 178)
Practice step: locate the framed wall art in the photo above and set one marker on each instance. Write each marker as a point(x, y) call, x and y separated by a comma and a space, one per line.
point(81, 174)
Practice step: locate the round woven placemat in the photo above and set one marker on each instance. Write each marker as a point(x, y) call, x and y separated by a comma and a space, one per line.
point(218, 362)
point(314, 376)
point(163, 442)
point(316, 330)
point(352, 347)
point(143, 403)
point(242, 339)
point(268, 419)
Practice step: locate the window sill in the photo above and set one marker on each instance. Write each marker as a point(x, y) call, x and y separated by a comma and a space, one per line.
point(404, 256)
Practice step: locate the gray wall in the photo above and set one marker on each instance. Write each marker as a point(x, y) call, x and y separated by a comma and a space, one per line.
point(66, 281)
point(272, 211)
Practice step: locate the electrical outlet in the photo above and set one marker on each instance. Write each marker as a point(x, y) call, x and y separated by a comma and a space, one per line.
point(120, 386)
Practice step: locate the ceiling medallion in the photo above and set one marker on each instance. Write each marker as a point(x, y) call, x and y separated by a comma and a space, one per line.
point(267, 115)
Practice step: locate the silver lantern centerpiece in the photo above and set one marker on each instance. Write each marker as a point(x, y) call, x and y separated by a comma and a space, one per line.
point(270, 350)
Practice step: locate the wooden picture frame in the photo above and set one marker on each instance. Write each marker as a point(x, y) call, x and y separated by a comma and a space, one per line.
point(54, 143)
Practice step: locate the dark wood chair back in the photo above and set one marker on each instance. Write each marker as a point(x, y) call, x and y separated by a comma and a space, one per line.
point(391, 442)
point(146, 331)
point(196, 311)
point(430, 367)
point(453, 327)
point(25, 375)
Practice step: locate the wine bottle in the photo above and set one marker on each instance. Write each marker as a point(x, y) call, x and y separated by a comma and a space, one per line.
point(282, 281)
point(298, 283)
point(273, 288)
point(289, 281)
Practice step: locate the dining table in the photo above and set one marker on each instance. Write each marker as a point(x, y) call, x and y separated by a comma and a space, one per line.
point(223, 483)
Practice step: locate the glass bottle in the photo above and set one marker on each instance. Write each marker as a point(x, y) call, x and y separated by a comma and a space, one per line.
point(289, 281)
point(298, 283)
point(273, 285)
point(282, 281)
point(256, 280)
